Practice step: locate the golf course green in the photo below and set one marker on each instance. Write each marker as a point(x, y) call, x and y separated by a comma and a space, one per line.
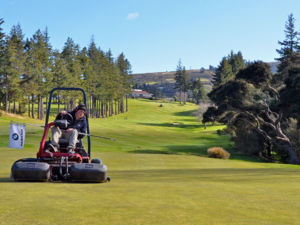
point(160, 174)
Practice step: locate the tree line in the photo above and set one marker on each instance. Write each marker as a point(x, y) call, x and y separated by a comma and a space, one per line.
point(188, 89)
point(261, 109)
point(30, 68)
point(194, 90)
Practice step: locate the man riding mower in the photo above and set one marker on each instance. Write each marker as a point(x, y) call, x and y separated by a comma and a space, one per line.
point(64, 158)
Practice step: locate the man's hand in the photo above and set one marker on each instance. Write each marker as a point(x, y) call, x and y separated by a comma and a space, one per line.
point(69, 129)
point(63, 113)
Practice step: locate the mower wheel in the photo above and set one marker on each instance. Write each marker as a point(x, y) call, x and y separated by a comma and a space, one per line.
point(30, 170)
point(27, 160)
point(96, 161)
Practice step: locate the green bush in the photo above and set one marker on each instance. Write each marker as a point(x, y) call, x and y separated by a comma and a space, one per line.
point(248, 140)
point(218, 152)
point(293, 132)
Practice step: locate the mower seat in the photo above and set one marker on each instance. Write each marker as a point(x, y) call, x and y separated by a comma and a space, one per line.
point(64, 143)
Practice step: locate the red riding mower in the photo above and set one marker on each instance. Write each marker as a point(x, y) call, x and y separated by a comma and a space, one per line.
point(61, 165)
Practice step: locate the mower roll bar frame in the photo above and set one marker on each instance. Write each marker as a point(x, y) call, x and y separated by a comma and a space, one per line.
point(87, 117)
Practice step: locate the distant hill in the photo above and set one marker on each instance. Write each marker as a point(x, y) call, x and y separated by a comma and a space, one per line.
point(165, 81)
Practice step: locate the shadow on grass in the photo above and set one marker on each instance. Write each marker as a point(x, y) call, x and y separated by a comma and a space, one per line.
point(175, 150)
point(9, 180)
point(6, 180)
point(186, 113)
point(239, 175)
point(177, 125)
point(195, 150)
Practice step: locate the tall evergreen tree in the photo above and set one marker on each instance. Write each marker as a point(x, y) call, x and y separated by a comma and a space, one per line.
point(61, 74)
point(30, 69)
point(70, 54)
point(289, 47)
point(228, 68)
point(38, 68)
point(290, 94)
point(182, 82)
point(14, 66)
point(2, 62)
point(124, 67)
point(236, 61)
point(223, 73)
point(198, 91)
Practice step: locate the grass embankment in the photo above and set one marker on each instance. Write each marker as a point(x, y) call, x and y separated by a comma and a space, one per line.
point(160, 175)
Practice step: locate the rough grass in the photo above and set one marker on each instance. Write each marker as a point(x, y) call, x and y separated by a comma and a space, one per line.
point(217, 152)
point(160, 175)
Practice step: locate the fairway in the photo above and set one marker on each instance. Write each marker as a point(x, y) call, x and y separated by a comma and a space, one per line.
point(160, 175)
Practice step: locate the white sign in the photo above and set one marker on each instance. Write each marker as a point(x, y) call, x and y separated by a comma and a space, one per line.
point(16, 136)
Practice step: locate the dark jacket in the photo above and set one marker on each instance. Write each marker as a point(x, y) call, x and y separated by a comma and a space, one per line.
point(79, 125)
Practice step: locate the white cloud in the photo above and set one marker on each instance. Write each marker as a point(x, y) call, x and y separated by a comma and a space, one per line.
point(132, 16)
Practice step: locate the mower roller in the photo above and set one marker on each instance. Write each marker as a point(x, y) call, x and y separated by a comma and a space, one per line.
point(61, 165)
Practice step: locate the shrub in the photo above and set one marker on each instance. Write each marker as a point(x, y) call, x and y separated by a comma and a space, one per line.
point(248, 140)
point(218, 152)
point(293, 132)
point(222, 132)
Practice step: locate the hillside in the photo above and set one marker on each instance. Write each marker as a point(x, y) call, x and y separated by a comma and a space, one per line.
point(165, 81)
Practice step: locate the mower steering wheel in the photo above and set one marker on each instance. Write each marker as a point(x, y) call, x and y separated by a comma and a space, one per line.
point(67, 117)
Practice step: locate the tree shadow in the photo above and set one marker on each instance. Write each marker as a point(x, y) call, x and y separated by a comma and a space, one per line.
point(175, 124)
point(174, 150)
point(195, 119)
point(10, 180)
point(6, 180)
point(185, 113)
point(195, 150)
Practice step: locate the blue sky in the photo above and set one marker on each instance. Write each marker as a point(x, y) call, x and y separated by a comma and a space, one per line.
point(155, 34)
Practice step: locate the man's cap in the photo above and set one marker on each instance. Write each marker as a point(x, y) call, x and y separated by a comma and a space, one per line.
point(81, 107)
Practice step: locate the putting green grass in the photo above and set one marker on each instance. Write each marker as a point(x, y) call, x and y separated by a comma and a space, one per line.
point(160, 175)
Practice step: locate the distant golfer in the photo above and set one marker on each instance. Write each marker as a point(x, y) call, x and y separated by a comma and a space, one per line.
point(71, 133)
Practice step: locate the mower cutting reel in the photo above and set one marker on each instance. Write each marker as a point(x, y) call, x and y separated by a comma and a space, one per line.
point(61, 165)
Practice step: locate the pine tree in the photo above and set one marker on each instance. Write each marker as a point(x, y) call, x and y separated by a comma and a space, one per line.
point(71, 55)
point(236, 61)
point(198, 91)
point(290, 93)
point(182, 82)
point(61, 74)
point(125, 69)
point(38, 69)
point(288, 50)
point(14, 66)
point(29, 70)
point(223, 73)
point(228, 68)
point(186, 84)
point(2, 60)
